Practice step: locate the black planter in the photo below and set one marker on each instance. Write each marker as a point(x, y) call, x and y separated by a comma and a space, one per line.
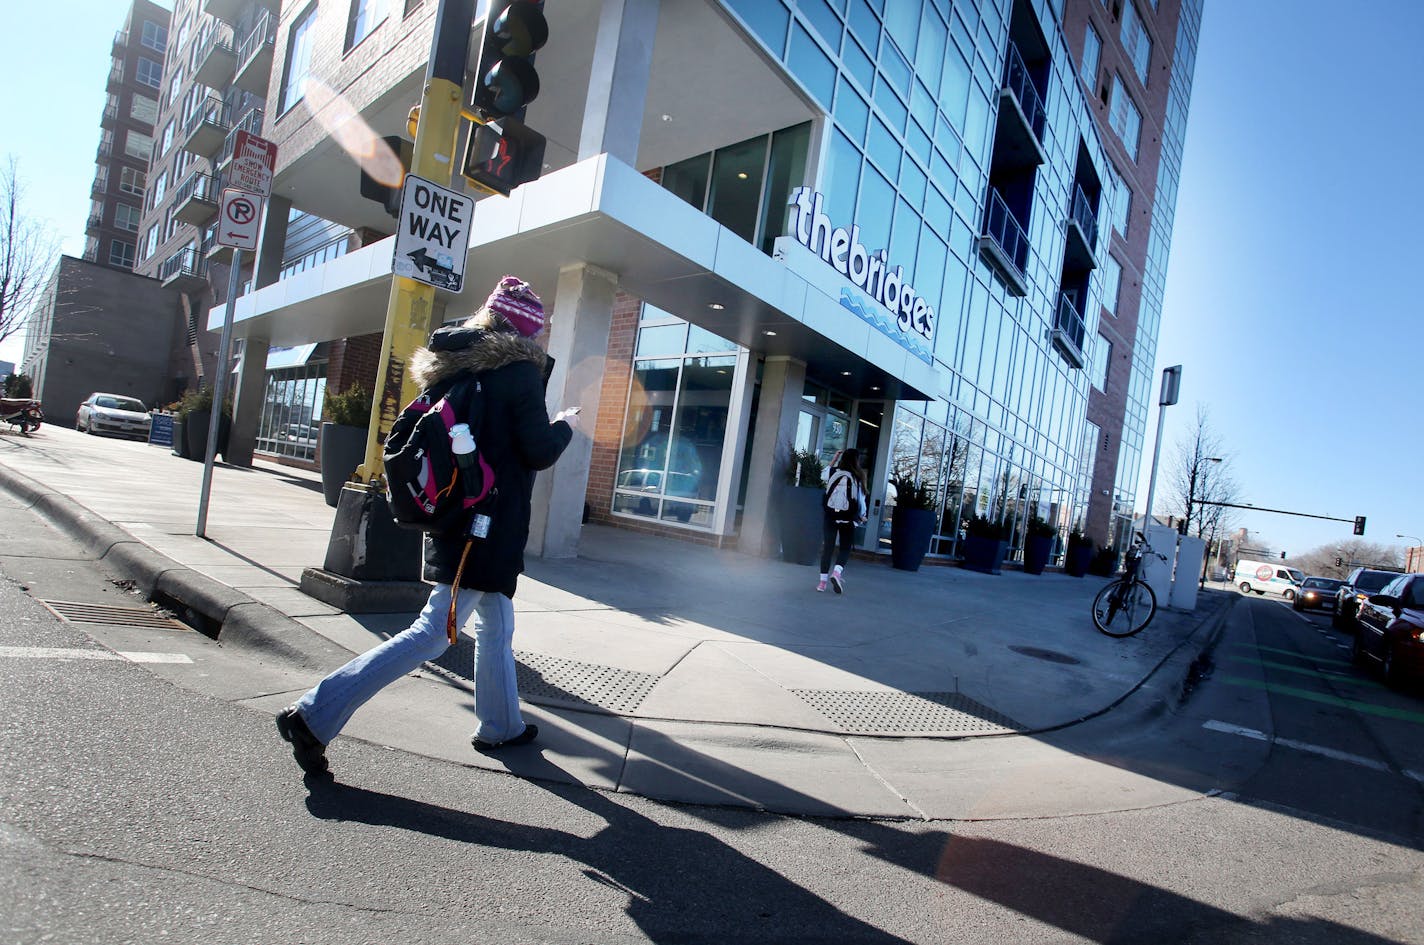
point(910, 531)
point(180, 438)
point(1037, 551)
point(343, 448)
point(1076, 562)
point(985, 555)
point(1103, 563)
point(195, 432)
point(799, 520)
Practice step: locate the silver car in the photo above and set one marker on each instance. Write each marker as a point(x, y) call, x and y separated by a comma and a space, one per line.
point(115, 414)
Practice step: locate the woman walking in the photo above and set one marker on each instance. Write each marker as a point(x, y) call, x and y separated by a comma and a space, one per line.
point(842, 510)
point(516, 438)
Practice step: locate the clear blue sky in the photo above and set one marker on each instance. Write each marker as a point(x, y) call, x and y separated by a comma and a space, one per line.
point(1289, 299)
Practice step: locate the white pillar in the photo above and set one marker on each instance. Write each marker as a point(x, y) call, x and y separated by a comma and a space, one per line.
point(579, 320)
point(783, 380)
point(618, 81)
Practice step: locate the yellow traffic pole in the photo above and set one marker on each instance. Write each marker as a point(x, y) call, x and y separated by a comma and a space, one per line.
point(409, 312)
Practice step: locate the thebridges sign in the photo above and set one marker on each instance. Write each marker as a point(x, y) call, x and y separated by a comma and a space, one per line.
point(911, 320)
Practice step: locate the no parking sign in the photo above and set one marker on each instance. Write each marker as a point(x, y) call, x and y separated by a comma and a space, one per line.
point(239, 219)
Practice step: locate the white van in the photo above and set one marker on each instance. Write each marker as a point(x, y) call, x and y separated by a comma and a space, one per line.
point(1263, 576)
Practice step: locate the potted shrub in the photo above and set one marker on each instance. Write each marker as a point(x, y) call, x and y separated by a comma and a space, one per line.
point(195, 412)
point(346, 420)
point(911, 524)
point(799, 507)
point(1079, 555)
point(1038, 548)
point(1104, 562)
point(986, 543)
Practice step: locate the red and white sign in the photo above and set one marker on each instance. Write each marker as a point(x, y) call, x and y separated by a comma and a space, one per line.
point(239, 219)
point(254, 160)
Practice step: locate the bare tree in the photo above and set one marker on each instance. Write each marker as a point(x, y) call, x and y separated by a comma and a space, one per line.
point(1200, 473)
point(1350, 553)
point(27, 253)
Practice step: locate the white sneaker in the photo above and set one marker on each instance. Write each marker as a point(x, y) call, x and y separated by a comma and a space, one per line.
point(821, 587)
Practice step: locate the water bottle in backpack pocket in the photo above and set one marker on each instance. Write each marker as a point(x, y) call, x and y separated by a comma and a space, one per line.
point(435, 473)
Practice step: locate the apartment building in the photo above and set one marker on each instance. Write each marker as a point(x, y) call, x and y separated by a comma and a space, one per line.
point(909, 228)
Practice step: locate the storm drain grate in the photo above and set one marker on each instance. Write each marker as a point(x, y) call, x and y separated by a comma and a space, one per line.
point(549, 678)
point(143, 617)
point(906, 712)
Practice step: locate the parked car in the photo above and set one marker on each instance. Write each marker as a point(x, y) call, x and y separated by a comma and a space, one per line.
point(1361, 583)
point(114, 414)
point(1389, 629)
point(1316, 592)
point(1263, 576)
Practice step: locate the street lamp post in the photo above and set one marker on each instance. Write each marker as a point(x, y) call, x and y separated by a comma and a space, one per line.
point(1415, 538)
point(1171, 385)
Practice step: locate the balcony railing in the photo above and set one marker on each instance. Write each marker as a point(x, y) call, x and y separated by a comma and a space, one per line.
point(121, 41)
point(111, 112)
point(105, 150)
point(116, 74)
point(216, 59)
point(1018, 81)
point(96, 220)
point(251, 123)
point(1069, 331)
point(197, 197)
point(254, 56)
point(206, 127)
point(100, 185)
point(1085, 216)
point(1004, 243)
point(183, 266)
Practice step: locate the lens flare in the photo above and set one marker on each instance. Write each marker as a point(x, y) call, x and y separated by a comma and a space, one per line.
point(349, 130)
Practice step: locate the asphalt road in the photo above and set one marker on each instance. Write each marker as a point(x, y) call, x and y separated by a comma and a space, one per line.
point(141, 801)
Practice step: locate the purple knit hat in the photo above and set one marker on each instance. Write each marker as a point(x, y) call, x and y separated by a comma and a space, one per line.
point(517, 304)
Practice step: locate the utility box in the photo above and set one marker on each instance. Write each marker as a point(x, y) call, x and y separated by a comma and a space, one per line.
point(1156, 572)
point(1191, 555)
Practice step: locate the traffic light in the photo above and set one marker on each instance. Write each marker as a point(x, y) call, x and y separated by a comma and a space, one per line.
point(388, 194)
point(500, 158)
point(505, 80)
point(1339, 561)
point(1359, 524)
point(1283, 556)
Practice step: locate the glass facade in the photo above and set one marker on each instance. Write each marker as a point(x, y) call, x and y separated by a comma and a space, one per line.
point(912, 91)
point(291, 411)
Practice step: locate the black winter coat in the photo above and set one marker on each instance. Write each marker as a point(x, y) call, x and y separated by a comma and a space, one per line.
point(515, 437)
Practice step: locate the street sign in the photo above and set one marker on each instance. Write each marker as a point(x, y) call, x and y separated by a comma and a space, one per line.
point(253, 161)
point(239, 219)
point(433, 234)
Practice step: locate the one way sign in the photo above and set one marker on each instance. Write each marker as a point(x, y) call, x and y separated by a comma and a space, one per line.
point(434, 234)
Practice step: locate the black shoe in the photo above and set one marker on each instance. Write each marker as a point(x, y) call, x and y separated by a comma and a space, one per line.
point(531, 732)
point(306, 747)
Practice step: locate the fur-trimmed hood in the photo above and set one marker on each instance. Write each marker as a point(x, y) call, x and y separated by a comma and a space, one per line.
point(454, 350)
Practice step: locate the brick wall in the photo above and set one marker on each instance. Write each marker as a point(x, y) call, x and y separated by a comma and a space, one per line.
point(613, 405)
point(352, 361)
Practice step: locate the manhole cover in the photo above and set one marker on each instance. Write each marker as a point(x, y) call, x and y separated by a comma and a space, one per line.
point(900, 713)
point(143, 617)
point(569, 682)
point(1051, 656)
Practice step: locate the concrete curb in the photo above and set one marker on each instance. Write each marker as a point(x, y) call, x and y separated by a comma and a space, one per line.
point(220, 611)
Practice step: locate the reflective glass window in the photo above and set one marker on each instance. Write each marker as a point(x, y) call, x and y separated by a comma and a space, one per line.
point(823, 20)
point(1102, 362)
point(785, 171)
point(812, 66)
point(877, 202)
point(298, 64)
point(852, 111)
point(1135, 40)
point(1092, 54)
point(864, 24)
point(1124, 118)
point(858, 64)
point(736, 186)
point(688, 179)
point(1112, 278)
point(842, 178)
point(902, 22)
point(767, 20)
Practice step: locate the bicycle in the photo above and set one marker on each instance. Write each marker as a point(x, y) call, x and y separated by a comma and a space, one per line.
point(1127, 605)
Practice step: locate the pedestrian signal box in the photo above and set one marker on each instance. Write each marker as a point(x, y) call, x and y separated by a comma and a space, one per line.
point(500, 157)
point(1359, 524)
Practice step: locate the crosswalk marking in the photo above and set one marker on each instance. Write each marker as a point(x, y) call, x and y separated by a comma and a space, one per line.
point(1321, 750)
point(70, 653)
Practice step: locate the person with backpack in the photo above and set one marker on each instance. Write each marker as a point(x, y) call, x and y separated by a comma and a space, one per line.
point(843, 509)
point(492, 366)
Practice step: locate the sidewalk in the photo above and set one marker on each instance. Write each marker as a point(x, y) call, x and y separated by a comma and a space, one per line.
point(652, 666)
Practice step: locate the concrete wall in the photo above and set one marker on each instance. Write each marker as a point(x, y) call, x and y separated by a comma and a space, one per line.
point(111, 331)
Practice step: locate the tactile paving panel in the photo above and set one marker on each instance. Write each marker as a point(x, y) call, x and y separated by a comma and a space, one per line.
point(568, 682)
point(900, 713)
point(144, 617)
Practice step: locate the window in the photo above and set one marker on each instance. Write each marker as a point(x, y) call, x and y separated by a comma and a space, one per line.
point(155, 37)
point(150, 73)
point(299, 50)
point(1102, 362)
point(138, 145)
point(1124, 118)
point(121, 253)
point(1112, 282)
point(1122, 201)
point(144, 109)
point(126, 217)
point(366, 15)
point(160, 187)
point(150, 242)
point(1092, 53)
point(167, 138)
point(1136, 41)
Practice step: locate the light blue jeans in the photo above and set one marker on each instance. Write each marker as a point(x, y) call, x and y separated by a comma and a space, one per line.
point(328, 706)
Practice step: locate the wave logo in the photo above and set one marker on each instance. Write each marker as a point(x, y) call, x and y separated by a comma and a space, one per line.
point(875, 315)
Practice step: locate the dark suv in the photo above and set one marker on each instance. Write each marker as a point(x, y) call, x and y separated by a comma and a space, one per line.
point(1361, 583)
point(1390, 629)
